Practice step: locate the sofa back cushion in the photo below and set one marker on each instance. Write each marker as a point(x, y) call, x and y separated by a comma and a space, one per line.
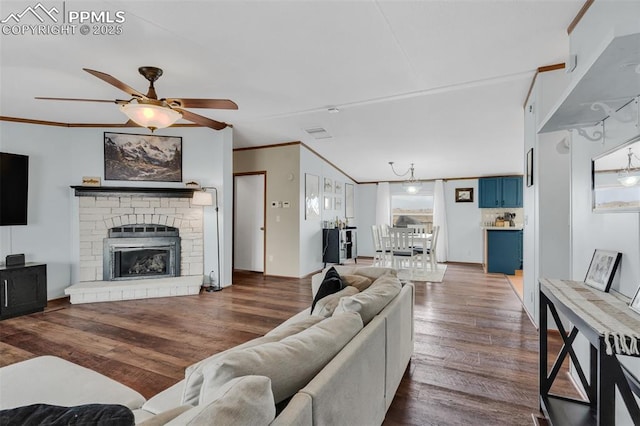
point(246, 400)
point(194, 373)
point(325, 306)
point(290, 363)
point(372, 272)
point(358, 281)
point(371, 301)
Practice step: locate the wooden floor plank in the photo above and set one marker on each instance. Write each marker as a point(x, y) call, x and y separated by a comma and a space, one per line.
point(475, 358)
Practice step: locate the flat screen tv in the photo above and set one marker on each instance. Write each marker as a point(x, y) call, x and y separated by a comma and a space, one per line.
point(14, 187)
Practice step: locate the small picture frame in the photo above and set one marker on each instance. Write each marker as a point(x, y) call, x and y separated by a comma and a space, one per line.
point(635, 302)
point(530, 167)
point(602, 269)
point(337, 186)
point(464, 195)
point(328, 202)
point(328, 186)
point(337, 204)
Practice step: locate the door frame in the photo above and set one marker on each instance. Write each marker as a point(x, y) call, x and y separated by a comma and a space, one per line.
point(264, 219)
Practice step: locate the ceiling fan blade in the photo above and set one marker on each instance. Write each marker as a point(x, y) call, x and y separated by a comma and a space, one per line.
point(116, 101)
point(203, 103)
point(115, 82)
point(199, 119)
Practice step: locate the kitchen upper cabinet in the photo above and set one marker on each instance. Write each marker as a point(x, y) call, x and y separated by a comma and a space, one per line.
point(498, 192)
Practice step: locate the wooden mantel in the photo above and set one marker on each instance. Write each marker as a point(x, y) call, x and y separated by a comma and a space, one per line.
point(119, 191)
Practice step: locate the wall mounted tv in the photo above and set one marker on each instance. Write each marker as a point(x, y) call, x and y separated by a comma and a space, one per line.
point(14, 187)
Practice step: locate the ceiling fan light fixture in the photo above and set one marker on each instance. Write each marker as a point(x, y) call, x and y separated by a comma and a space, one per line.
point(150, 116)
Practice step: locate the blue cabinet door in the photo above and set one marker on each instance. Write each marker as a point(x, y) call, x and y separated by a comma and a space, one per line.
point(512, 191)
point(490, 192)
point(504, 251)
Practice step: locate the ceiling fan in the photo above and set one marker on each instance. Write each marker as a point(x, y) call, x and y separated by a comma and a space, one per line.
point(151, 112)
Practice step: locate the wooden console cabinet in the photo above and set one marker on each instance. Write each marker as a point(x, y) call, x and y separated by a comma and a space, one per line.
point(23, 289)
point(338, 245)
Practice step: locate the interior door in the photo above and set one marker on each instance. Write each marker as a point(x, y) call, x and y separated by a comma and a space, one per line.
point(248, 229)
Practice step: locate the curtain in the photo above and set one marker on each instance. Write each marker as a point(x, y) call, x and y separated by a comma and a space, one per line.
point(383, 204)
point(440, 219)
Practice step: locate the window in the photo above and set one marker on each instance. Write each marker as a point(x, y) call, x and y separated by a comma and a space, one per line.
point(412, 209)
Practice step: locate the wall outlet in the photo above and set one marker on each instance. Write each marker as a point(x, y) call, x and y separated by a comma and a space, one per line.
point(274, 204)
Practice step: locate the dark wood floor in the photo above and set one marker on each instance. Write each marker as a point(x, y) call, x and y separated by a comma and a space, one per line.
point(475, 360)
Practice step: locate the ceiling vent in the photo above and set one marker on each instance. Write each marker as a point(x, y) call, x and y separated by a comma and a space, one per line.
point(318, 133)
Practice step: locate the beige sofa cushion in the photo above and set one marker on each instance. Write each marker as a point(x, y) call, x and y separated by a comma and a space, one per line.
point(244, 401)
point(194, 375)
point(325, 306)
point(370, 302)
point(290, 363)
point(358, 281)
point(164, 417)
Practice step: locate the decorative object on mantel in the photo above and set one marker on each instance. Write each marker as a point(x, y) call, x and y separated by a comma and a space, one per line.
point(204, 198)
point(91, 181)
point(411, 185)
point(153, 113)
point(142, 157)
point(635, 302)
point(464, 195)
point(602, 269)
point(192, 184)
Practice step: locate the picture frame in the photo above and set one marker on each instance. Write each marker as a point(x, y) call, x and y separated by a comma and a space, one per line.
point(328, 185)
point(135, 157)
point(349, 201)
point(337, 187)
point(311, 196)
point(464, 195)
point(529, 167)
point(337, 204)
point(635, 302)
point(328, 202)
point(602, 269)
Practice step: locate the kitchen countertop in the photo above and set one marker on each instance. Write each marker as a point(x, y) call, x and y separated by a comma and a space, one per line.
point(503, 228)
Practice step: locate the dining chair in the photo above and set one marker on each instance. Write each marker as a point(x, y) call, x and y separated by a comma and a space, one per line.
point(379, 257)
point(430, 251)
point(401, 246)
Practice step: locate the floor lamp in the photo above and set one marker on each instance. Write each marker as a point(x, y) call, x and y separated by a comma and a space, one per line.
point(204, 198)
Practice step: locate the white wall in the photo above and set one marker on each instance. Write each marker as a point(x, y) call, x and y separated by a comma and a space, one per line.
point(464, 221)
point(60, 156)
point(311, 229)
point(366, 214)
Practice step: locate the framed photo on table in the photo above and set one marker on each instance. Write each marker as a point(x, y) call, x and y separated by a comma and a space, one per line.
point(602, 269)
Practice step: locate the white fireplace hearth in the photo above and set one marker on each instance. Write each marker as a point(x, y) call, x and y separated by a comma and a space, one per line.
point(103, 211)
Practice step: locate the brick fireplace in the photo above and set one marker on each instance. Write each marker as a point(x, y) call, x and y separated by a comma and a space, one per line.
point(103, 211)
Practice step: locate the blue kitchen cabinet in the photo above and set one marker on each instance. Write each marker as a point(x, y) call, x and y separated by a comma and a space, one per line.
point(504, 251)
point(499, 192)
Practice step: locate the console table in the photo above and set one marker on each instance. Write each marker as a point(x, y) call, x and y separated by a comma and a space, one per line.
point(606, 321)
point(338, 245)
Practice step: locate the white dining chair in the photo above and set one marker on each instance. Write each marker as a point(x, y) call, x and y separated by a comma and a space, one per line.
point(401, 246)
point(380, 253)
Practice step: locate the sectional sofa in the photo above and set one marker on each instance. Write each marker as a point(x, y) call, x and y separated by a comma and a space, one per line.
point(341, 364)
